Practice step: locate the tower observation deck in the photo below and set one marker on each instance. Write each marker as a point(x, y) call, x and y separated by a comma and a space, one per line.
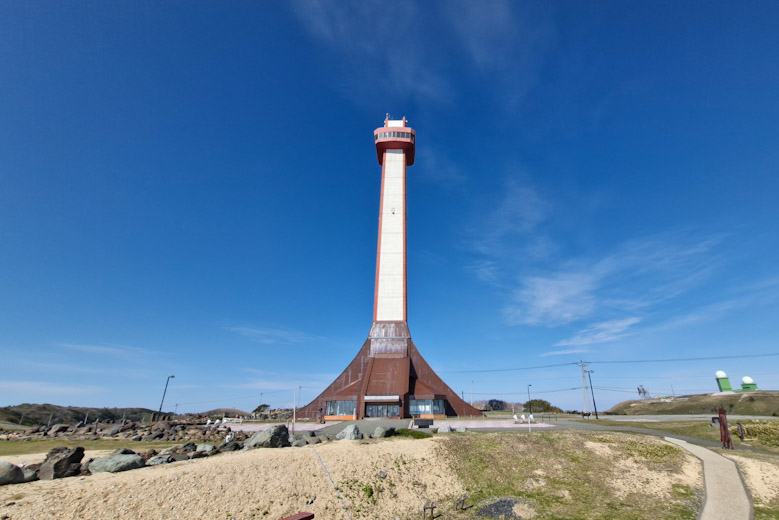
point(388, 377)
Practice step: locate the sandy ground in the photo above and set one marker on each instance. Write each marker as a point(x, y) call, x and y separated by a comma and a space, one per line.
point(762, 477)
point(627, 472)
point(262, 483)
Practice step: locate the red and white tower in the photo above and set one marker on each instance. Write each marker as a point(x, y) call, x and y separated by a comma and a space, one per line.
point(388, 377)
point(395, 150)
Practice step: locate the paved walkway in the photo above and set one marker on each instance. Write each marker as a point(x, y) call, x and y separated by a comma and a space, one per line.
point(726, 498)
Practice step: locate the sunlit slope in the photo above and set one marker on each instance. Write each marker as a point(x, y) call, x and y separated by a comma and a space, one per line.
point(752, 403)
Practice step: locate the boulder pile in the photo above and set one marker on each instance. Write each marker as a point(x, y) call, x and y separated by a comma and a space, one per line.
point(131, 431)
point(65, 462)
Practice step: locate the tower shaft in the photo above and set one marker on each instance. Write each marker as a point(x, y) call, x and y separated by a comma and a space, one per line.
point(390, 294)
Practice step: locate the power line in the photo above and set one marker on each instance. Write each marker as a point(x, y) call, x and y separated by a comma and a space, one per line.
point(671, 360)
point(619, 361)
point(534, 391)
point(504, 369)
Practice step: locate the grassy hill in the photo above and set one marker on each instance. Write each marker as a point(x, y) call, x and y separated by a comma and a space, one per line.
point(38, 414)
point(752, 403)
point(227, 412)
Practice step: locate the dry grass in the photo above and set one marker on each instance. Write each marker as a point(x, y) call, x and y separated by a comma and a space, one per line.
point(580, 474)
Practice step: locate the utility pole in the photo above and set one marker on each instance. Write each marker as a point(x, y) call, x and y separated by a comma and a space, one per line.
point(672, 392)
point(22, 418)
point(295, 407)
point(589, 375)
point(176, 409)
point(582, 364)
point(165, 392)
point(471, 392)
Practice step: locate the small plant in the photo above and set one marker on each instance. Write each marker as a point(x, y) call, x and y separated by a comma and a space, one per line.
point(368, 490)
point(412, 434)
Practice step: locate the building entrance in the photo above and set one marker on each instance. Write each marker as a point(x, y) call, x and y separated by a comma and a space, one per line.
point(382, 410)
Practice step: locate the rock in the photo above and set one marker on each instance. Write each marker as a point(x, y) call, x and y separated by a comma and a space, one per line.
point(179, 456)
point(61, 462)
point(299, 443)
point(350, 433)
point(310, 433)
point(382, 432)
point(160, 425)
point(122, 451)
point(382, 474)
point(461, 429)
point(57, 428)
point(231, 446)
point(30, 475)
point(313, 440)
point(273, 437)
point(445, 429)
point(160, 459)
point(197, 455)
point(116, 463)
point(206, 448)
point(186, 448)
point(154, 436)
point(10, 474)
point(114, 430)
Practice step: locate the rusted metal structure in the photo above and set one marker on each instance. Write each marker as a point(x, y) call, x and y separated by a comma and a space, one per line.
point(389, 377)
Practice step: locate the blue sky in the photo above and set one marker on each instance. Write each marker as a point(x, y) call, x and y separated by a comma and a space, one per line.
point(191, 188)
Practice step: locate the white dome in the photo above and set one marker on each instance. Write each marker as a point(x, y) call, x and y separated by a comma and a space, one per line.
point(720, 374)
point(747, 380)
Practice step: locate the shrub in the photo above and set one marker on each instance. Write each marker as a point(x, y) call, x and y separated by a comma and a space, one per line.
point(412, 434)
point(766, 432)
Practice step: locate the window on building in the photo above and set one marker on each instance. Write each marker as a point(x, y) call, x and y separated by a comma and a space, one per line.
point(426, 406)
point(341, 407)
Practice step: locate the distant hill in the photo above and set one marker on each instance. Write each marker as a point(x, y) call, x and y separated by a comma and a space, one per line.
point(752, 403)
point(227, 412)
point(38, 414)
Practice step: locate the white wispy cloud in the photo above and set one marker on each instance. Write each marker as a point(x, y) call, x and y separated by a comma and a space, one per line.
point(410, 51)
point(562, 352)
point(271, 336)
point(486, 271)
point(600, 332)
point(517, 215)
point(105, 350)
point(504, 41)
point(637, 275)
point(371, 57)
point(552, 300)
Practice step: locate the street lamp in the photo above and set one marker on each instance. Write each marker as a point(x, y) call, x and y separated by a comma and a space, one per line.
point(529, 404)
point(592, 390)
point(165, 392)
